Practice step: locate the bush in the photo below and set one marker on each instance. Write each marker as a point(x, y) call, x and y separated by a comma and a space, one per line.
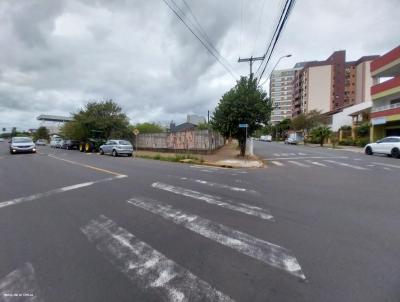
point(362, 130)
point(347, 142)
point(361, 142)
point(345, 128)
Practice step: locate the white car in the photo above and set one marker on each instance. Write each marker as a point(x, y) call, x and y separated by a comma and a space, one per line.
point(389, 145)
point(55, 142)
point(117, 147)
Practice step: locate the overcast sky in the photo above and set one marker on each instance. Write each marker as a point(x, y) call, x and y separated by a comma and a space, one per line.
point(57, 55)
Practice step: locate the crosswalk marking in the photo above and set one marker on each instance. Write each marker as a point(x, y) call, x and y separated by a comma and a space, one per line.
point(298, 164)
point(277, 163)
point(261, 250)
point(302, 153)
point(345, 165)
point(276, 154)
point(387, 165)
point(20, 285)
point(217, 185)
point(146, 266)
point(308, 157)
point(261, 213)
point(316, 163)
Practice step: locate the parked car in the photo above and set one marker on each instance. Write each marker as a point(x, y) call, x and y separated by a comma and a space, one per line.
point(69, 144)
point(389, 145)
point(55, 142)
point(22, 145)
point(1, 140)
point(41, 142)
point(291, 141)
point(266, 138)
point(116, 147)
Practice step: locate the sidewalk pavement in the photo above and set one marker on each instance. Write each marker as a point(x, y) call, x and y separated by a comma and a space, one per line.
point(227, 157)
point(342, 148)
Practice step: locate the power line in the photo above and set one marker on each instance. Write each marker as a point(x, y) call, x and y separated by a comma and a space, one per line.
point(198, 38)
point(282, 25)
point(275, 32)
point(206, 37)
point(258, 26)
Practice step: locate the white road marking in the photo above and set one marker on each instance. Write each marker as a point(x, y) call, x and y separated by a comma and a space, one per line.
point(276, 154)
point(253, 247)
point(261, 213)
point(217, 185)
point(148, 267)
point(293, 154)
point(346, 165)
point(285, 154)
point(298, 164)
point(309, 157)
point(208, 171)
point(301, 153)
point(316, 163)
point(20, 285)
point(371, 165)
point(87, 166)
point(205, 166)
point(277, 163)
point(387, 169)
point(387, 165)
point(56, 191)
point(357, 159)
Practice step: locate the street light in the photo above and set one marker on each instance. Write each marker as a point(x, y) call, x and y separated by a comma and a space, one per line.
point(286, 56)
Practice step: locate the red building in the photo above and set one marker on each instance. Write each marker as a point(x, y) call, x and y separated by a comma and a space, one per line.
point(385, 113)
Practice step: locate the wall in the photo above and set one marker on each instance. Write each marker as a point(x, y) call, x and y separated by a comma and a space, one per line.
point(319, 88)
point(197, 140)
point(364, 82)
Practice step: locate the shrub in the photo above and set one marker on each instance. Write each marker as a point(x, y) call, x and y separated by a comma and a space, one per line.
point(361, 142)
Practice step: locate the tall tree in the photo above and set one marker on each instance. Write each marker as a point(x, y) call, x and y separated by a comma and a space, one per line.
point(41, 132)
point(105, 118)
point(321, 133)
point(246, 103)
point(149, 128)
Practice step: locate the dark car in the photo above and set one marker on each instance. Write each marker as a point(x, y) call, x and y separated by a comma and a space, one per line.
point(70, 144)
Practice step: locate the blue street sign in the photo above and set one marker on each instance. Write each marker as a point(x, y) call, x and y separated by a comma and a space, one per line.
point(243, 125)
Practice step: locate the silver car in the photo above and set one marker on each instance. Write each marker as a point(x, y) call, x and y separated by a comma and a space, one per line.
point(116, 147)
point(22, 145)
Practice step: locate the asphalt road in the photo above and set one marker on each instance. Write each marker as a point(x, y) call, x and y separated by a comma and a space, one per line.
point(315, 225)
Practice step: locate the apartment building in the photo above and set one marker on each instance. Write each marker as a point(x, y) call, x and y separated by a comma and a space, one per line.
point(331, 85)
point(385, 114)
point(281, 88)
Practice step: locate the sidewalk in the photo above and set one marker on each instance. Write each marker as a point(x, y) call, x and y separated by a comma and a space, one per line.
point(337, 147)
point(226, 157)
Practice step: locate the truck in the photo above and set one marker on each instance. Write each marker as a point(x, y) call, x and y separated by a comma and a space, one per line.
point(266, 138)
point(93, 143)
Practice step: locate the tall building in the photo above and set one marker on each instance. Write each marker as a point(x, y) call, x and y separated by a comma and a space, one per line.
point(281, 88)
point(385, 114)
point(331, 85)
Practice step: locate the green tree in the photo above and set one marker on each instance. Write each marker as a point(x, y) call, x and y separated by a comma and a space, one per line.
point(321, 133)
point(203, 126)
point(148, 128)
point(105, 117)
point(41, 133)
point(283, 127)
point(306, 121)
point(245, 103)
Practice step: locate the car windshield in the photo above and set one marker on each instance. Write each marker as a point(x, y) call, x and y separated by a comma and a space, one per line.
point(124, 143)
point(22, 140)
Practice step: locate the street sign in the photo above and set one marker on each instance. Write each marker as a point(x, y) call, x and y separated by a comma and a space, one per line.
point(136, 131)
point(243, 125)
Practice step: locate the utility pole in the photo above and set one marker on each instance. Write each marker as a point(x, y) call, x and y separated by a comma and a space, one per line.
point(251, 60)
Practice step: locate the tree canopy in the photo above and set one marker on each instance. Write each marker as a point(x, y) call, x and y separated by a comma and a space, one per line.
point(148, 128)
point(104, 119)
point(42, 132)
point(246, 103)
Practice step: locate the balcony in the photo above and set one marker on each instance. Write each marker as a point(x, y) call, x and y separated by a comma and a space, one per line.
point(387, 65)
point(386, 107)
point(386, 91)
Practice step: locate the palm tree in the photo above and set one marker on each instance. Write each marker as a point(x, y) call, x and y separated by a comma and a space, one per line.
point(321, 133)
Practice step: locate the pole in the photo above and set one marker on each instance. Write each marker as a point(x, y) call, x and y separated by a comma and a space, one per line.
point(208, 116)
point(251, 60)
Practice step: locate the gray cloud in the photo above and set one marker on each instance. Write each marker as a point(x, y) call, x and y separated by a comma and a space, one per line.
point(57, 55)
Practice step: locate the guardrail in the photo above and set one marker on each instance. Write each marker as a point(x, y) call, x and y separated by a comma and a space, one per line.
point(386, 107)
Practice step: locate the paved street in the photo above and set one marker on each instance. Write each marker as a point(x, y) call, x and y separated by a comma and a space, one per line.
point(315, 225)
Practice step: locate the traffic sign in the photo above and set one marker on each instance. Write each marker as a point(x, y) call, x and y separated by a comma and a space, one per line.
point(136, 131)
point(243, 125)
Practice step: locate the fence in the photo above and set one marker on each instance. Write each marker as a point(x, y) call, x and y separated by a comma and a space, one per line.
point(202, 141)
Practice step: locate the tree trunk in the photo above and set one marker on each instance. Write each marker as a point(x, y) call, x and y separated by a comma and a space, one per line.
point(321, 142)
point(242, 146)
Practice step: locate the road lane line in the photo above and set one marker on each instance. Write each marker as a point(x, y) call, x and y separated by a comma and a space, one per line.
point(309, 157)
point(277, 163)
point(345, 165)
point(253, 247)
point(276, 154)
point(20, 285)
point(87, 166)
point(387, 169)
point(298, 164)
point(146, 266)
point(303, 154)
point(56, 191)
point(316, 163)
point(263, 214)
point(387, 165)
point(217, 185)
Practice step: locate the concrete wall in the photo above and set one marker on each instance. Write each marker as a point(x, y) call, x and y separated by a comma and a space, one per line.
point(197, 140)
point(319, 88)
